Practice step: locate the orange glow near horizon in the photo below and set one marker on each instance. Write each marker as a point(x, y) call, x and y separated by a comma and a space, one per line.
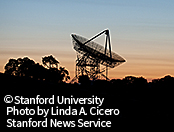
point(150, 70)
point(151, 62)
point(141, 32)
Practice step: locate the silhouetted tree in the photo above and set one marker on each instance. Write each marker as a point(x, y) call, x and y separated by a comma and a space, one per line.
point(25, 67)
point(11, 67)
point(28, 68)
point(64, 74)
point(19, 67)
point(56, 74)
point(50, 62)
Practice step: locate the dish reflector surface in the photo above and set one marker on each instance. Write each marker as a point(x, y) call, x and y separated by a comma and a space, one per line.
point(96, 51)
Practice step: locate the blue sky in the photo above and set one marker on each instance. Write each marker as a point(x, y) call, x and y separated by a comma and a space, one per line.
point(141, 31)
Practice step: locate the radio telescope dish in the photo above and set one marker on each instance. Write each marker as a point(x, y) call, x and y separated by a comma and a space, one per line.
point(91, 56)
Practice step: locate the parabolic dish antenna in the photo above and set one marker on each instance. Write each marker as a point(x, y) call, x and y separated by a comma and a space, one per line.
point(92, 56)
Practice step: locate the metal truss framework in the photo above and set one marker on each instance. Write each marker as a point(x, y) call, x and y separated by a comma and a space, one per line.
point(93, 59)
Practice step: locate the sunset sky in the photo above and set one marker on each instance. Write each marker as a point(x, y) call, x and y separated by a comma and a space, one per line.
point(142, 32)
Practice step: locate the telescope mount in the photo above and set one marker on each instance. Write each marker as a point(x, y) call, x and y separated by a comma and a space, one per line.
point(90, 65)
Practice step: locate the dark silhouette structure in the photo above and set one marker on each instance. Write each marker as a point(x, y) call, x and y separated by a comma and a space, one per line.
point(26, 67)
point(137, 99)
point(50, 62)
point(93, 59)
